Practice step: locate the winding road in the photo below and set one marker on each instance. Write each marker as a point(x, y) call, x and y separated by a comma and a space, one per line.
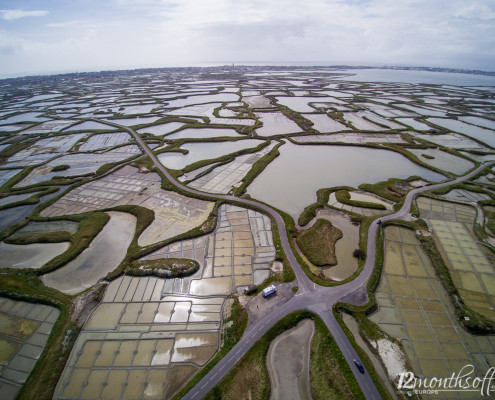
point(310, 296)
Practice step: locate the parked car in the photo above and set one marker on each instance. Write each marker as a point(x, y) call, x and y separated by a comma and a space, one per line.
point(359, 365)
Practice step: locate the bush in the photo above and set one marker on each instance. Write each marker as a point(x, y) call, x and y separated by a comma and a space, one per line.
point(359, 254)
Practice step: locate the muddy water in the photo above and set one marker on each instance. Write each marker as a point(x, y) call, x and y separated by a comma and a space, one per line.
point(313, 167)
point(344, 247)
point(203, 151)
point(103, 255)
point(288, 362)
point(30, 255)
point(483, 134)
point(13, 215)
point(202, 133)
point(443, 160)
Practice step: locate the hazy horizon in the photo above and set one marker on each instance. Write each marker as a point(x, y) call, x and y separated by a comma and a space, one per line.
point(85, 35)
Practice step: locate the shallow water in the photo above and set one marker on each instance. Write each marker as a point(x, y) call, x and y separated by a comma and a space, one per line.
point(162, 129)
point(221, 97)
point(276, 123)
point(485, 135)
point(344, 247)
point(102, 256)
point(419, 126)
point(29, 255)
point(313, 167)
point(300, 104)
point(487, 123)
point(203, 151)
point(443, 160)
point(202, 133)
point(445, 78)
point(89, 125)
point(134, 121)
point(13, 215)
point(324, 124)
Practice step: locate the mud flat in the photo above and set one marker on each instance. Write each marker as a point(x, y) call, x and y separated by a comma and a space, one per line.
point(102, 256)
point(288, 362)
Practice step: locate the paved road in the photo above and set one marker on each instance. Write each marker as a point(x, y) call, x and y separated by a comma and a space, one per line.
point(310, 296)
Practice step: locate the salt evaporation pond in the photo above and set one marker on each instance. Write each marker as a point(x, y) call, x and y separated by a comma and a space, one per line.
point(290, 182)
point(162, 129)
point(222, 97)
point(487, 123)
point(134, 121)
point(202, 133)
point(103, 255)
point(485, 135)
point(203, 151)
point(443, 160)
point(10, 216)
point(29, 255)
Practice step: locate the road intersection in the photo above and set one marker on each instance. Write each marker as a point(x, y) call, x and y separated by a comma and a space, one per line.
point(317, 299)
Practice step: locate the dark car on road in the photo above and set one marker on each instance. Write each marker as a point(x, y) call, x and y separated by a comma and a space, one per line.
point(359, 365)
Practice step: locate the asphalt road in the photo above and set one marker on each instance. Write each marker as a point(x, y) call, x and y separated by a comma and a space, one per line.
point(310, 296)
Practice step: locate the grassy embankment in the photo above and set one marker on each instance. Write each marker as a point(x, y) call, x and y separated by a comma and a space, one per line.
point(331, 376)
point(318, 243)
point(344, 197)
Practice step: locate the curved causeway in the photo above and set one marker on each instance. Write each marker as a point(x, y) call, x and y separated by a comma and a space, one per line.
point(317, 299)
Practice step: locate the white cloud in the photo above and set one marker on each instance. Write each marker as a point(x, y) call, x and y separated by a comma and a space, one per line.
point(10, 15)
point(131, 33)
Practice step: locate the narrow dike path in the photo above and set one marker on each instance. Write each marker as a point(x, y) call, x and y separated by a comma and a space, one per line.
point(310, 296)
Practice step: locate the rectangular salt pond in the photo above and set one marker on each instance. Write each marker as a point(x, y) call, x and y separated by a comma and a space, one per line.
point(487, 123)
point(419, 126)
point(276, 123)
point(204, 151)
point(33, 116)
point(89, 125)
point(324, 124)
point(485, 135)
point(313, 167)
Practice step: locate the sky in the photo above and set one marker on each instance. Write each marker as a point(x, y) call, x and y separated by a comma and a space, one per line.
point(55, 36)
